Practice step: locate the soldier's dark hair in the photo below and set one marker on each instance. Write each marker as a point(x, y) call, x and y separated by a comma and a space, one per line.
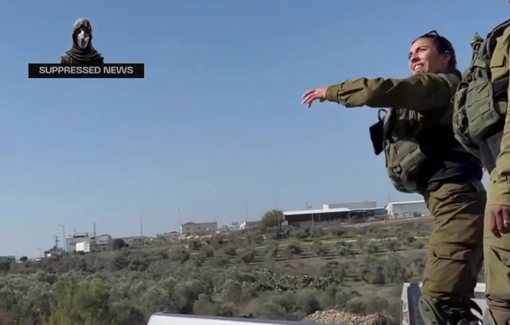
point(443, 45)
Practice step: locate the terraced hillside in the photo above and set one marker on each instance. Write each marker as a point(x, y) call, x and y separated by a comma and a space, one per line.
point(358, 269)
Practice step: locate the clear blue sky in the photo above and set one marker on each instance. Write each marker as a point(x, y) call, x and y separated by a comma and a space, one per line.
point(218, 119)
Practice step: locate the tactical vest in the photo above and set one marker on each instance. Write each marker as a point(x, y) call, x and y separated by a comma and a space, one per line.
point(398, 133)
point(479, 105)
point(402, 152)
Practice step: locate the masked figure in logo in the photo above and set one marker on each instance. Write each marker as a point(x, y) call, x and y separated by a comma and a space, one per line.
point(82, 52)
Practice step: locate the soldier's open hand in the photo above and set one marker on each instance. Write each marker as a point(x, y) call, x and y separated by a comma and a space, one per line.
point(311, 95)
point(500, 219)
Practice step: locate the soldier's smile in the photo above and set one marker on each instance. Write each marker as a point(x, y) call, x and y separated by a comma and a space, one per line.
point(417, 66)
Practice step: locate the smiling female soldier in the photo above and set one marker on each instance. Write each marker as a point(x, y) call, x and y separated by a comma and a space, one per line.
point(422, 156)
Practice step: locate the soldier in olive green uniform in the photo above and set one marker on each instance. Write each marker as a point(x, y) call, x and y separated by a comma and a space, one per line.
point(482, 125)
point(422, 156)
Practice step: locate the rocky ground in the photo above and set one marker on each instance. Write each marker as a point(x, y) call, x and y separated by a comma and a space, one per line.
point(339, 317)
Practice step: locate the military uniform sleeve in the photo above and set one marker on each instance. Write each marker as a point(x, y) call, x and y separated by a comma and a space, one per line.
point(499, 190)
point(420, 92)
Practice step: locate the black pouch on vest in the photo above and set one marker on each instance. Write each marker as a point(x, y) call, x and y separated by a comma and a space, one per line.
point(490, 149)
point(377, 134)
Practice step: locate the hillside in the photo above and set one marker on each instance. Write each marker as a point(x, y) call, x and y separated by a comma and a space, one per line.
point(355, 269)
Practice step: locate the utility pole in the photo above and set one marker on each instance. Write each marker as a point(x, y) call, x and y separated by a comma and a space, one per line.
point(179, 219)
point(308, 207)
point(63, 238)
point(180, 227)
point(141, 230)
point(247, 212)
point(313, 219)
point(56, 241)
point(278, 213)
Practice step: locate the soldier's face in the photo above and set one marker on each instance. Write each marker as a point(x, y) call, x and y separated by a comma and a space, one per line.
point(424, 57)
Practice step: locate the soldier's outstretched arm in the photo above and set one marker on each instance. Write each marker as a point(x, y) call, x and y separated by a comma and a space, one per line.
point(420, 92)
point(500, 179)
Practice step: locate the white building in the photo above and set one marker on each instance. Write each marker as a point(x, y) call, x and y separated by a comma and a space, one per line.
point(352, 205)
point(191, 228)
point(308, 217)
point(168, 235)
point(408, 209)
point(83, 247)
point(339, 212)
point(100, 242)
point(250, 225)
point(77, 238)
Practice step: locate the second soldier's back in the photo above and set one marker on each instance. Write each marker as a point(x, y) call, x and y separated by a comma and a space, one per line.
point(482, 125)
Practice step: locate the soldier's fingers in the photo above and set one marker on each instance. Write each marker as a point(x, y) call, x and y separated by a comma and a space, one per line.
point(308, 92)
point(499, 219)
point(506, 220)
point(494, 225)
point(309, 99)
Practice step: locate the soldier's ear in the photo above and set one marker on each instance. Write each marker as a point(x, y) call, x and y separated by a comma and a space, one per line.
point(447, 57)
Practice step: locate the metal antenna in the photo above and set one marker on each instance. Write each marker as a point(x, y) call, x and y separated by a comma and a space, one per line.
point(56, 241)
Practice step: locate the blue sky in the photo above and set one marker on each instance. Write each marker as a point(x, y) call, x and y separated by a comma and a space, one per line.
point(218, 119)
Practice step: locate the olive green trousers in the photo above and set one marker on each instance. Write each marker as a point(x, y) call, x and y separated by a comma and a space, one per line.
point(497, 272)
point(455, 251)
